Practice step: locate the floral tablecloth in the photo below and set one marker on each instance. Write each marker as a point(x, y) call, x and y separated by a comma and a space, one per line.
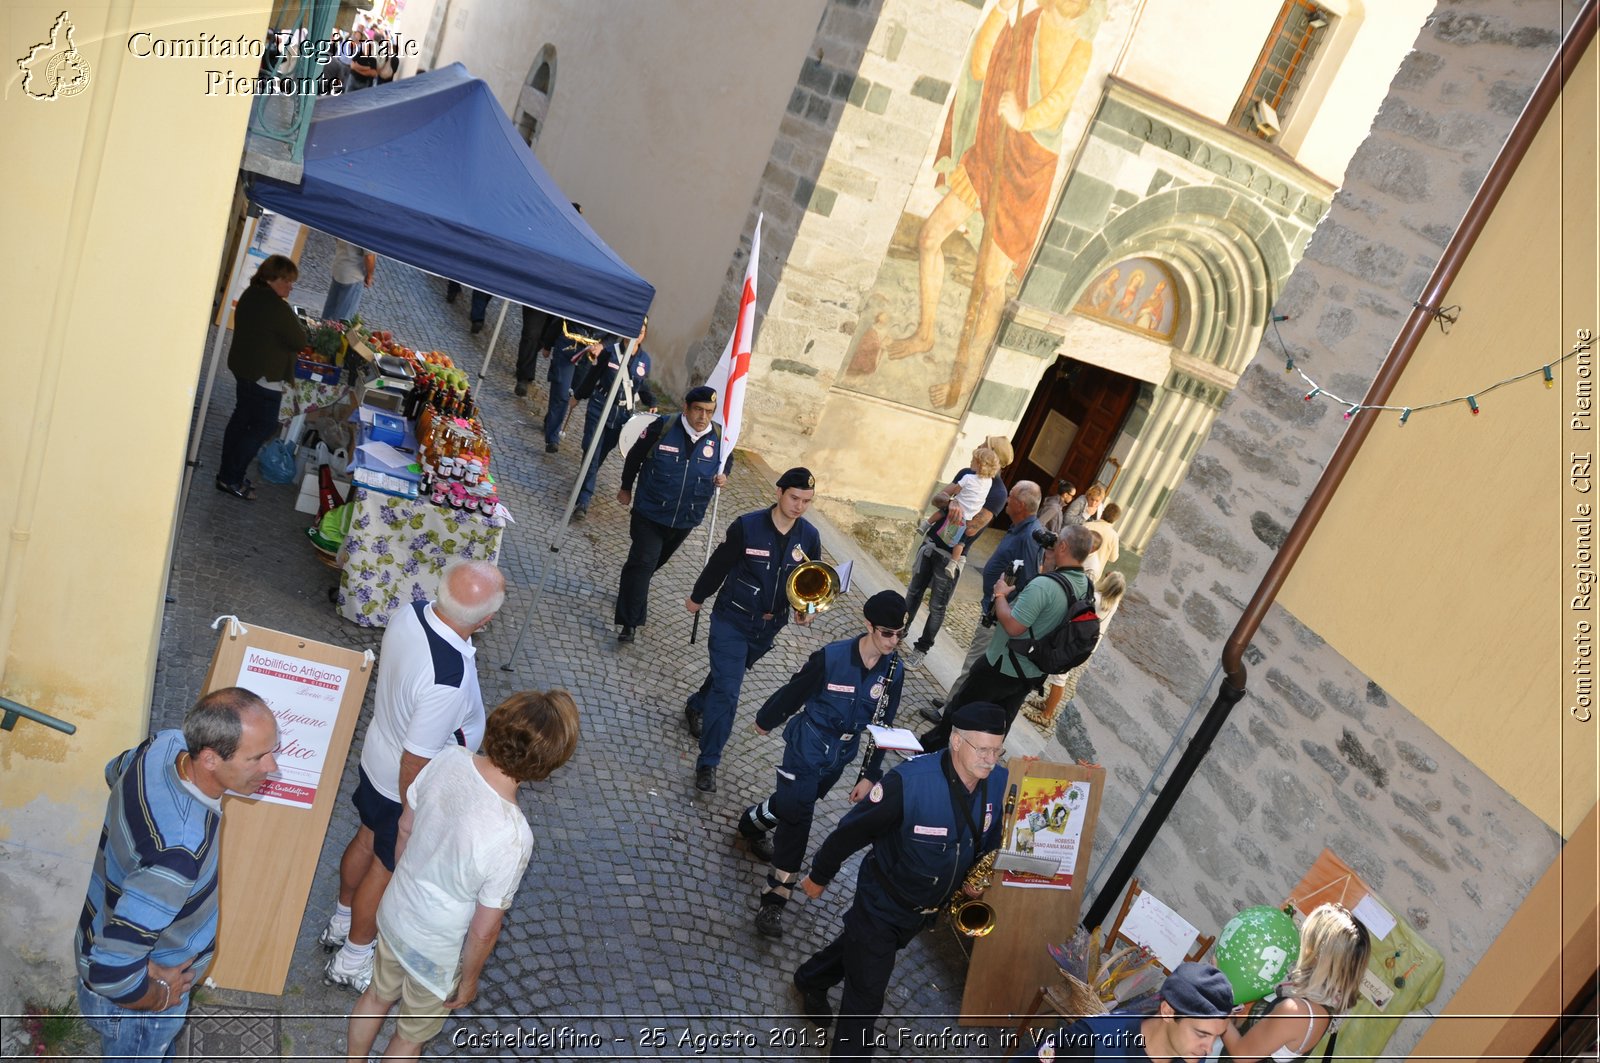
point(396, 549)
point(301, 395)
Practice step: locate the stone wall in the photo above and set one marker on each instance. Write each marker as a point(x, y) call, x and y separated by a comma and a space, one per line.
point(1316, 754)
point(841, 169)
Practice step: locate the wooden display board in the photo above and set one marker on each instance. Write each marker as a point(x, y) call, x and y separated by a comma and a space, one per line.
point(1010, 964)
point(270, 846)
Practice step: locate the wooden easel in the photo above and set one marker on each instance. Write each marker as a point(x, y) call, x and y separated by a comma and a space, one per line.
point(269, 851)
point(1010, 964)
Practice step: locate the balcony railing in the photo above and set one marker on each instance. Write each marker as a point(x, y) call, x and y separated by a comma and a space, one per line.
point(279, 120)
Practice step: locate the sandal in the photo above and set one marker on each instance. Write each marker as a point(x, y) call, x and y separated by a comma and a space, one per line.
point(246, 490)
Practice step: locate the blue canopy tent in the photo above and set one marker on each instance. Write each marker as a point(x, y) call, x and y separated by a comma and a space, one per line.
point(429, 171)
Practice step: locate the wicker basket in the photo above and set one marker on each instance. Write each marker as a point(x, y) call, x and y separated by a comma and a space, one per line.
point(1072, 998)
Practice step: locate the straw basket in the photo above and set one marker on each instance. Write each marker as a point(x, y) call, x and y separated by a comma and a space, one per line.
point(1072, 998)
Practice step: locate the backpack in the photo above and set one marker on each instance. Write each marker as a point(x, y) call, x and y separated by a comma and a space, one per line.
point(1070, 642)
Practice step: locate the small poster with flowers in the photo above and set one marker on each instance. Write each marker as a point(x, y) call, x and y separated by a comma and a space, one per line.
point(1049, 823)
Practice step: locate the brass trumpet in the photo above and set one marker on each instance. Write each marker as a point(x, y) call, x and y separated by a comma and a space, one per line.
point(579, 338)
point(812, 586)
point(969, 915)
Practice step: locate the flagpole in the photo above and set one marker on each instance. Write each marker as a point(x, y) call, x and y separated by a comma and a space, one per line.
point(711, 528)
point(572, 499)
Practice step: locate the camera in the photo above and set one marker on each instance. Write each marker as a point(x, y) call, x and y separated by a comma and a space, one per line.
point(1046, 538)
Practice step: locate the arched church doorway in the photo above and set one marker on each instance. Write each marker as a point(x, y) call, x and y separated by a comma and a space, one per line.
point(1072, 423)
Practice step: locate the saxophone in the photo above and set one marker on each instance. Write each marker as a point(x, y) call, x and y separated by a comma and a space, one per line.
point(971, 916)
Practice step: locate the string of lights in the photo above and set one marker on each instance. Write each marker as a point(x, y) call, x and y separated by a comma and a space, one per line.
point(1352, 408)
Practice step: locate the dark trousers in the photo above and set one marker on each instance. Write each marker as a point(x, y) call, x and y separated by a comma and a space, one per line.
point(794, 802)
point(928, 576)
point(608, 443)
point(733, 648)
point(480, 300)
point(533, 322)
point(254, 421)
point(986, 683)
point(862, 957)
point(555, 415)
point(651, 547)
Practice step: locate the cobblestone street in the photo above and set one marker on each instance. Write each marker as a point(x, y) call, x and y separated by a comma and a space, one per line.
point(633, 928)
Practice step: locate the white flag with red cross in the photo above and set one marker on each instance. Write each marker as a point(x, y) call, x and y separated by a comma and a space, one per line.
point(733, 368)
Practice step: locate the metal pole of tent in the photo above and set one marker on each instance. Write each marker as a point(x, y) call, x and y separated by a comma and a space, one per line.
point(494, 338)
point(572, 500)
point(192, 461)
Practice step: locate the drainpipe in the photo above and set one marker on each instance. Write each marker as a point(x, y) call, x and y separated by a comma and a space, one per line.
point(1234, 673)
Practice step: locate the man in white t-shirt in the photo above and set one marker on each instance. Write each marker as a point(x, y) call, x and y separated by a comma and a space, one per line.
point(464, 846)
point(427, 699)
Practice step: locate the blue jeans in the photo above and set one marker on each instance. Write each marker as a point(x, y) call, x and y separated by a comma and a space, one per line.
point(129, 1035)
point(734, 648)
point(254, 421)
point(928, 577)
point(343, 301)
point(561, 367)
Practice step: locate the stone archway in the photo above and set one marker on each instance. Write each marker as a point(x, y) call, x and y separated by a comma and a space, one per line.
point(1229, 260)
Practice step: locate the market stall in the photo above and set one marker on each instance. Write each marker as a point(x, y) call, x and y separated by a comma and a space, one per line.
point(421, 465)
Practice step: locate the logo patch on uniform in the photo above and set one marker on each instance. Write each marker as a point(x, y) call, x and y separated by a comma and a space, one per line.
point(1047, 1051)
point(841, 688)
point(932, 832)
point(708, 451)
point(877, 689)
point(988, 817)
point(753, 552)
point(666, 449)
point(876, 793)
point(798, 554)
point(639, 369)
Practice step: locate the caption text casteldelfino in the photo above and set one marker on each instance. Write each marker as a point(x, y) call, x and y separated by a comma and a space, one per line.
point(145, 45)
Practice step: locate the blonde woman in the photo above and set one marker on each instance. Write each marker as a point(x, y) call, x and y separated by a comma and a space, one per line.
point(1287, 1024)
point(1059, 689)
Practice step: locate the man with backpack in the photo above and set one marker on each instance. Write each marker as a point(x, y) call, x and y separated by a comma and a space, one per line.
point(1052, 622)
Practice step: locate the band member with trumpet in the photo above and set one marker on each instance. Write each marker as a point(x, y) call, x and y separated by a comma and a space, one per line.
point(595, 387)
point(573, 346)
point(749, 573)
point(678, 463)
point(842, 688)
point(928, 821)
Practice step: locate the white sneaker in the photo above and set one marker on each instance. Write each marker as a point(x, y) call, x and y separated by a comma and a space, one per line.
point(354, 977)
point(333, 935)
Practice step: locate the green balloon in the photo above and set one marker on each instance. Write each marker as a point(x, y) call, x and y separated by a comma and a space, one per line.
point(1256, 950)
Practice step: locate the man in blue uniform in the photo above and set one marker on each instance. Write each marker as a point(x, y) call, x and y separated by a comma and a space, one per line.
point(564, 358)
point(749, 573)
point(678, 464)
point(928, 822)
point(842, 687)
point(595, 386)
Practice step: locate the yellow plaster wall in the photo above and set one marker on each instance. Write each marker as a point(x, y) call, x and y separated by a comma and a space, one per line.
point(132, 331)
point(1443, 568)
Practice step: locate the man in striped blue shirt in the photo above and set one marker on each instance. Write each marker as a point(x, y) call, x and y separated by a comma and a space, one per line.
point(149, 923)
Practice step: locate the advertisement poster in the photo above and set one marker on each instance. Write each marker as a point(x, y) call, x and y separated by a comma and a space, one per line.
point(1050, 818)
point(304, 696)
